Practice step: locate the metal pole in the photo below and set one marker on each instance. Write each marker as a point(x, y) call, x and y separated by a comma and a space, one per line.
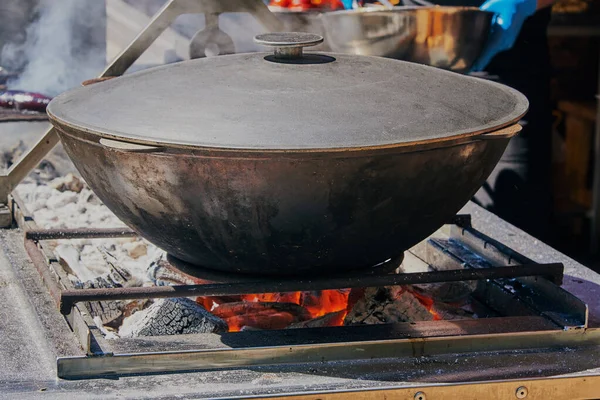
point(595, 220)
point(161, 21)
point(595, 212)
point(79, 233)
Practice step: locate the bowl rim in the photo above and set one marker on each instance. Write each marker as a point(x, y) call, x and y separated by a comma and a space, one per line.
point(398, 9)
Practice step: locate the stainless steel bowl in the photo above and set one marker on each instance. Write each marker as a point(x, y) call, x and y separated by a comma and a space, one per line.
point(450, 38)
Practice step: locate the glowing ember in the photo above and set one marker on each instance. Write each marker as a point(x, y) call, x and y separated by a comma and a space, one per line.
point(428, 303)
point(324, 302)
point(294, 309)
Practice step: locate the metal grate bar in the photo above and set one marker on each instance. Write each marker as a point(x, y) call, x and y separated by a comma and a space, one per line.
point(70, 297)
point(79, 233)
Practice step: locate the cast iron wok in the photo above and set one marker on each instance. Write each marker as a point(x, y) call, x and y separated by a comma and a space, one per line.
point(273, 214)
point(265, 164)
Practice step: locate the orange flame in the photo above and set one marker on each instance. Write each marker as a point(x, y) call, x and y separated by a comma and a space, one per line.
point(325, 301)
point(313, 304)
point(428, 302)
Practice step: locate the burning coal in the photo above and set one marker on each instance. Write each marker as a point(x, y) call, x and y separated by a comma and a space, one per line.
point(322, 308)
point(277, 310)
point(316, 308)
point(64, 45)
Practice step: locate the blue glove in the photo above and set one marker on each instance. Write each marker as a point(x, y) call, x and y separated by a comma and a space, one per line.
point(348, 4)
point(510, 15)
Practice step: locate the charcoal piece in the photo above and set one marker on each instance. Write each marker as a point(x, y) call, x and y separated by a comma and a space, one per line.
point(448, 291)
point(444, 291)
point(161, 274)
point(111, 312)
point(327, 320)
point(173, 317)
point(45, 171)
point(69, 182)
point(246, 308)
point(449, 312)
point(107, 311)
point(387, 305)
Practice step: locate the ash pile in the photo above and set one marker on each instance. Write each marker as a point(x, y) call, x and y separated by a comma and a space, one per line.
point(57, 197)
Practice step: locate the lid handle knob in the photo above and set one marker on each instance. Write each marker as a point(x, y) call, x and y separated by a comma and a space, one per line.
point(288, 45)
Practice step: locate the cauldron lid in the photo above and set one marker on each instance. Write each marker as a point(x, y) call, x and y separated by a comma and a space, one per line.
point(289, 101)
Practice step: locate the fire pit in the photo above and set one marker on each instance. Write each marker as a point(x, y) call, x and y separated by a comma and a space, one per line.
point(477, 309)
point(470, 298)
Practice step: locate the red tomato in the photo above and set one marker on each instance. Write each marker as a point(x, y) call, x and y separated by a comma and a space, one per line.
point(300, 5)
point(280, 3)
point(306, 5)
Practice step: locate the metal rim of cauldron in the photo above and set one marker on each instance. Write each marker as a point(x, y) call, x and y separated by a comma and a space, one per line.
point(396, 148)
point(521, 103)
point(399, 148)
point(455, 137)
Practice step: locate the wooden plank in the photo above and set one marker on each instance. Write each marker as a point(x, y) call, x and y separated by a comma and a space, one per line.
point(580, 109)
point(579, 136)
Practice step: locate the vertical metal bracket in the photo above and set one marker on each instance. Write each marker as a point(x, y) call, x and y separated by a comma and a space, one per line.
point(161, 21)
point(595, 229)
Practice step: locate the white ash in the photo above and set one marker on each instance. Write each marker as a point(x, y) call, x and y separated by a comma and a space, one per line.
point(108, 332)
point(111, 312)
point(70, 182)
point(136, 249)
point(116, 277)
point(67, 202)
point(69, 259)
point(267, 379)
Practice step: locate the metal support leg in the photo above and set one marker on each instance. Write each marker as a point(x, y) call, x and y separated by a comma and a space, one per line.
point(161, 21)
point(595, 220)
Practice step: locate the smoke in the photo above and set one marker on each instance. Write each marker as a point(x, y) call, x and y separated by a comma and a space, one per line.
point(64, 46)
